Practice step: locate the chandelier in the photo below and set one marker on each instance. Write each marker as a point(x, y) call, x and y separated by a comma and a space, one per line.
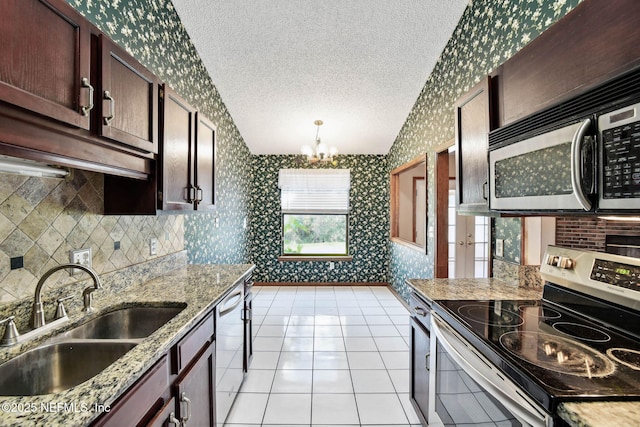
point(320, 152)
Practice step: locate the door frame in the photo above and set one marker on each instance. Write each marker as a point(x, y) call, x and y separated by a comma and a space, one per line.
point(441, 220)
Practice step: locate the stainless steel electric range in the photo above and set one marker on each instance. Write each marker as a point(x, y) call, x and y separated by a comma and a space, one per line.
point(512, 362)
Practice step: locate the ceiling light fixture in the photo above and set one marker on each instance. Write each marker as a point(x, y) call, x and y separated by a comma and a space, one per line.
point(320, 153)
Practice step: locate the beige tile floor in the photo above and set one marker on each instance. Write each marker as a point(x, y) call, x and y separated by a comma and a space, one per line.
point(327, 356)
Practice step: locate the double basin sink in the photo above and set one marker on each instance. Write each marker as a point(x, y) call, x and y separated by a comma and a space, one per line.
point(82, 352)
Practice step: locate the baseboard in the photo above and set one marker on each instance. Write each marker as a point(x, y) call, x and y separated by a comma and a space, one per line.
point(321, 284)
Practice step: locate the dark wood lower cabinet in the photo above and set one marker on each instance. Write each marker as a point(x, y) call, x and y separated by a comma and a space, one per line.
point(140, 400)
point(166, 417)
point(179, 390)
point(195, 392)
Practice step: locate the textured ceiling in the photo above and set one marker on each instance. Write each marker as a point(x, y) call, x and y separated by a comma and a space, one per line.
point(357, 65)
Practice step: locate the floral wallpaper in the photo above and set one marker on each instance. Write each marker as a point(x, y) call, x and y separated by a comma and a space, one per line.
point(368, 227)
point(489, 32)
point(151, 31)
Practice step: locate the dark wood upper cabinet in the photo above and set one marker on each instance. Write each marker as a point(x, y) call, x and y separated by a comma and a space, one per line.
point(128, 99)
point(176, 172)
point(205, 164)
point(593, 43)
point(45, 60)
point(473, 121)
point(184, 179)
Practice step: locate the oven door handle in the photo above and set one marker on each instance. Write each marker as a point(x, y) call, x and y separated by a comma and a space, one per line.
point(576, 165)
point(519, 405)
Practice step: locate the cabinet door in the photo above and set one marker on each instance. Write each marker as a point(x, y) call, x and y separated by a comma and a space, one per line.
point(205, 164)
point(45, 60)
point(175, 169)
point(129, 99)
point(419, 385)
point(196, 391)
point(166, 416)
point(472, 126)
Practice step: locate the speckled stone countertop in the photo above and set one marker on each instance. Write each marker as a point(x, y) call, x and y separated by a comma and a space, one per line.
point(578, 414)
point(600, 414)
point(200, 287)
point(454, 289)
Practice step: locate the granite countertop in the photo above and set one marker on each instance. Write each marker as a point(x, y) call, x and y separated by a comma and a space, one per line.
point(461, 289)
point(578, 414)
point(200, 287)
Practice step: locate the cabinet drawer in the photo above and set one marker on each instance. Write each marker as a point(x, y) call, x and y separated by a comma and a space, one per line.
point(132, 407)
point(192, 344)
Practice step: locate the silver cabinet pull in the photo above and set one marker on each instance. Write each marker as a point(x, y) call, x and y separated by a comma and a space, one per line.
point(426, 361)
point(173, 420)
point(85, 109)
point(112, 107)
point(185, 399)
point(420, 311)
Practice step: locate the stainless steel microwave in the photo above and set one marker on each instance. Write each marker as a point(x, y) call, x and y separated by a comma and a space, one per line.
point(589, 164)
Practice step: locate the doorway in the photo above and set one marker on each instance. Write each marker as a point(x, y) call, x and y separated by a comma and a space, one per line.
point(462, 241)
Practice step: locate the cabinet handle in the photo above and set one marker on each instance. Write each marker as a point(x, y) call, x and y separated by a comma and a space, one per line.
point(185, 399)
point(190, 194)
point(199, 194)
point(85, 109)
point(426, 361)
point(173, 420)
point(420, 311)
point(112, 107)
point(484, 190)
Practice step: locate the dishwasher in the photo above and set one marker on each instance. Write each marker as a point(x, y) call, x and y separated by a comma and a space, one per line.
point(229, 351)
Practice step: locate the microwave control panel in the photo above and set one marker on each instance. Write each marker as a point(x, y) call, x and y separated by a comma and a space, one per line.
point(620, 173)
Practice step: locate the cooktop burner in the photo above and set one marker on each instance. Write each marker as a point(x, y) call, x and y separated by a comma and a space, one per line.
point(557, 354)
point(479, 314)
point(582, 332)
point(629, 358)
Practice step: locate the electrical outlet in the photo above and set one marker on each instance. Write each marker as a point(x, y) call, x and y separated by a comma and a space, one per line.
point(332, 265)
point(153, 246)
point(82, 257)
point(500, 247)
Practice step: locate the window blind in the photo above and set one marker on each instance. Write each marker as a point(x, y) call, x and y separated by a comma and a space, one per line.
point(320, 191)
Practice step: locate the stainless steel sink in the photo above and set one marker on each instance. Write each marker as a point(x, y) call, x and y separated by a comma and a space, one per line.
point(126, 323)
point(57, 367)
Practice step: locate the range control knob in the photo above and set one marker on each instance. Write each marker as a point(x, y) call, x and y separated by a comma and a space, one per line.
point(552, 260)
point(565, 262)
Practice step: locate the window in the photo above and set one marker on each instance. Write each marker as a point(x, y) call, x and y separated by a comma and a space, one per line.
point(409, 204)
point(315, 208)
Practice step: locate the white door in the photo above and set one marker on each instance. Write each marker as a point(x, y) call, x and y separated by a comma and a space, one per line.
point(468, 244)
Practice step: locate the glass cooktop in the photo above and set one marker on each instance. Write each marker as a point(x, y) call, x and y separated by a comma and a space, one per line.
point(550, 352)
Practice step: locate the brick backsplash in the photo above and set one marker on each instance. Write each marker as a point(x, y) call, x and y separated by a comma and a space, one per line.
point(42, 219)
point(590, 232)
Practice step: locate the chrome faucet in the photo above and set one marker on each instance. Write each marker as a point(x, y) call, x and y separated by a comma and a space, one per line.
point(37, 316)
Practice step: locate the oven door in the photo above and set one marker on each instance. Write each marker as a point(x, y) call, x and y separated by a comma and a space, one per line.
point(548, 172)
point(470, 391)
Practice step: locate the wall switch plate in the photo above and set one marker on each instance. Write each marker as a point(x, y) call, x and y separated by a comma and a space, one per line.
point(153, 246)
point(82, 257)
point(500, 247)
